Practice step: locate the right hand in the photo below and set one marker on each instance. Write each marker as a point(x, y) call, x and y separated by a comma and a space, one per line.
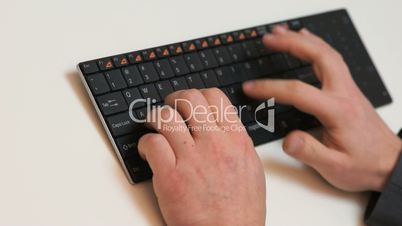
point(357, 151)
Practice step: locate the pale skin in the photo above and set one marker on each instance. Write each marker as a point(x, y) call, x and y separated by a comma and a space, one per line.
point(209, 178)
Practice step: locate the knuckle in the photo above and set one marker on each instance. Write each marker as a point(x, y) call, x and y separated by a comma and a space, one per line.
point(213, 92)
point(151, 139)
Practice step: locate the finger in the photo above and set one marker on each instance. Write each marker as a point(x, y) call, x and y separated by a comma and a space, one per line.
point(194, 108)
point(156, 150)
point(327, 62)
point(168, 122)
point(305, 148)
point(303, 96)
point(225, 112)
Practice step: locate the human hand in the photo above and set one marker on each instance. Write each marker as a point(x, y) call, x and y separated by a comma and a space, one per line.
point(210, 176)
point(357, 150)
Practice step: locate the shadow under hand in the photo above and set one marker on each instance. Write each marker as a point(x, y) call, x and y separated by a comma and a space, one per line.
point(142, 194)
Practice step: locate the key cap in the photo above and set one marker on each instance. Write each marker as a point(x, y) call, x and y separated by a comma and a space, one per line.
point(224, 75)
point(251, 69)
point(179, 83)
point(149, 91)
point(239, 35)
point(278, 63)
point(292, 62)
point(201, 44)
point(148, 54)
point(148, 72)
point(164, 69)
point(120, 61)
point(295, 25)
point(127, 146)
point(193, 62)
point(132, 76)
point(131, 95)
point(175, 49)
point(236, 95)
point(227, 38)
point(237, 76)
point(122, 124)
point(208, 59)
point(89, 67)
point(307, 75)
point(262, 50)
point(105, 64)
point(115, 79)
point(162, 51)
point(214, 41)
point(209, 78)
point(265, 66)
point(262, 30)
point(194, 81)
point(250, 33)
point(237, 52)
point(179, 66)
point(141, 113)
point(134, 58)
point(189, 46)
point(222, 55)
point(250, 49)
point(164, 88)
point(138, 169)
point(111, 103)
point(97, 83)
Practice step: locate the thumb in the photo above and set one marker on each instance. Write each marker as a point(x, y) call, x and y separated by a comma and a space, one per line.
point(305, 148)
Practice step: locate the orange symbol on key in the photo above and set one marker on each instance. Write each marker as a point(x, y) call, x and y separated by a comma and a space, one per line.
point(152, 55)
point(109, 65)
point(217, 41)
point(242, 36)
point(165, 52)
point(123, 61)
point(204, 44)
point(229, 39)
point(191, 47)
point(253, 34)
point(138, 58)
point(179, 49)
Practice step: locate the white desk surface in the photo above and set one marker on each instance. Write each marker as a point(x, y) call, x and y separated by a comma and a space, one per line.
point(56, 164)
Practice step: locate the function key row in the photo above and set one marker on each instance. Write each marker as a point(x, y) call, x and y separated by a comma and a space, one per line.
point(105, 64)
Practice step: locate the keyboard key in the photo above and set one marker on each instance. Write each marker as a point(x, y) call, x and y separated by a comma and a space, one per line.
point(89, 67)
point(194, 81)
point(251, 69)
point(105, 64)
point(236, 95)
point(209, 78)
point(239, 36)
point(127, 146)
point(237, 52)
point(179, 66)
point(262, 50)
point(162, 52)
point(265, 66)
point(250, 33)
point(138, 169)
point(120, 61)
point(148, 54)
point(135, 58)
point(164, 69)
point(295, 25)
point(149, 91)
point(148, 72)
point(132, 76)
point(115, 79)
point(222, 55)
point(111, 103)
point(201, 44)
point(97, 83)
point(141, 113)
point(122, 124)
point(179, 83)
point(227, 38)
point(189, 46)
point(193, 62)
point(225, 76)
point(291, 61)
point(262, 30)
point(250, 49)
point(164, 88)
point(131, 95)
point(208, 59)
point(279, 63)
point(214, 41)
point(175, 49)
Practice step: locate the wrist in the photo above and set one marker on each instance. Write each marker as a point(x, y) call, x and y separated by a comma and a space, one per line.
point(392, 152)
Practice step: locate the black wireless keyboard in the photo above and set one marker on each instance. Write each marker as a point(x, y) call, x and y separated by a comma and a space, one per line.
point(224, 61)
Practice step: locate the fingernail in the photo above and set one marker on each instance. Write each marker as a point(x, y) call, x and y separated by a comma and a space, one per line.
point(248, 85)
point(294, 145)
